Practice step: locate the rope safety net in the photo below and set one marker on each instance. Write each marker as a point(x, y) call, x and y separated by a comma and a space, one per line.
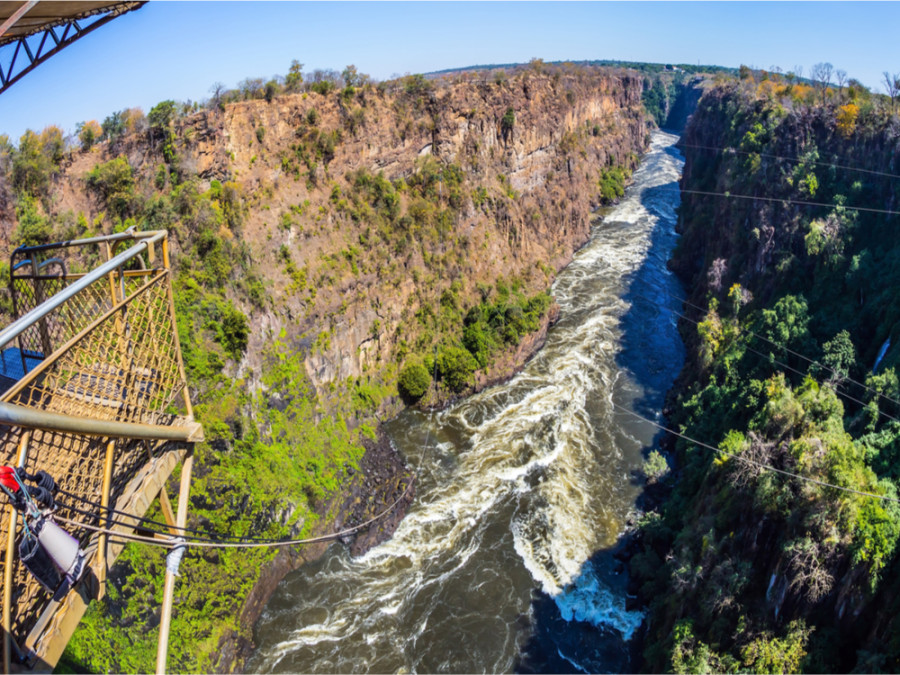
point(108, 352)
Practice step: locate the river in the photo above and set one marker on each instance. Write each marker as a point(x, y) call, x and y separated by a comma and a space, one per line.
point(504, 562)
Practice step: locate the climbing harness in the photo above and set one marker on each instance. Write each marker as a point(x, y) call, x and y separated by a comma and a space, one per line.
point(49, 553)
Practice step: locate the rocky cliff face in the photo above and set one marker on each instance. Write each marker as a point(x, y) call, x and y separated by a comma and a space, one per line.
point(686, 100)
point(522, 199)
point(537, 177)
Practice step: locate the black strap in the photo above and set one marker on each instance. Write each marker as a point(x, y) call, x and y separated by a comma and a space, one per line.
point(42, 492)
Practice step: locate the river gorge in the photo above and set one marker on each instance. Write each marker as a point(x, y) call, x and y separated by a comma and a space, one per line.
point(504, 561)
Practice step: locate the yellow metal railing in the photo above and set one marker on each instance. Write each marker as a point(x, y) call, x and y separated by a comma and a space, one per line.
point(96, 394)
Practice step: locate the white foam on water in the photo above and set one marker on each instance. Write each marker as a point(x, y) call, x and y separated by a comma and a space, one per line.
point(591, 601)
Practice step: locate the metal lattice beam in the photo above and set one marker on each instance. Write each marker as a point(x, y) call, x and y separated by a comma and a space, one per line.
point(31, 36)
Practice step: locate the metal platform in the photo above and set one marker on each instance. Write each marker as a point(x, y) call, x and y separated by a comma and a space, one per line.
point(97, 397)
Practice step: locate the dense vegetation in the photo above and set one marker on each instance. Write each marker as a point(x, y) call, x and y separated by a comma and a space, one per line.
point(265, 470)
point(745, 568)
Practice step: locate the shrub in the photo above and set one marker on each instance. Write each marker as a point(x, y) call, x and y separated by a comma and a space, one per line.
point(162, 176)
point(413, 381)
point(612, 184)
point(272, 90)
point(416, 85)
point(655, 466)
point(114, 182)
point(508, 122)
point(235, 331)
point(455, 367)
point(33, 228)
point(324, 87)
point(478, 340)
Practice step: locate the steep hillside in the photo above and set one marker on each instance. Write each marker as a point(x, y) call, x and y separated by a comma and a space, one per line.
point(789, 253)
point(334, 248)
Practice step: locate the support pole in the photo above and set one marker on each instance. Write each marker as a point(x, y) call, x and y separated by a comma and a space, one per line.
point(10, 562)
point(169, 591)
point(168, 513)
point(107, 520)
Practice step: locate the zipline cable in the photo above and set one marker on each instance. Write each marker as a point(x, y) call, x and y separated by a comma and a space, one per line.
point(183, 541)
point(835, 388)
point(194, 535)
point(761, 465)
point(771, 342)
point(796, 160)
point(732, 195)
point(141, 520)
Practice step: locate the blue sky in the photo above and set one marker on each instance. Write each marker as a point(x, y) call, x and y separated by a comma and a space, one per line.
point(179, 49)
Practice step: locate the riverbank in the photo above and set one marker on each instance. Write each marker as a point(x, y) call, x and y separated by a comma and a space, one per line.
point(376, 503)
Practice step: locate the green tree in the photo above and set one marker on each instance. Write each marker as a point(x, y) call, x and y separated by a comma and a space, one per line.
point(690, 655)
point(294, 78)
point(455, 367)
point(54, 144)
point(160, 121)
point(507, 123)
point(416, 85)
point(787, 324)
point(88, 134)
point(413, 381)
point(113, 126)
point(114, 182)
point(235, 331)
point(33, 228)
point(161, 117)
point(272, 90)
point(478, 340)
point(31, 166)
point(655, 466)
point(350, 76)
point(839, 355)
point(768, 654)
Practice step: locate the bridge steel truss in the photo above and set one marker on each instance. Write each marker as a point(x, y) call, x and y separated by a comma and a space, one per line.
point(32, 37)
point(103, 406)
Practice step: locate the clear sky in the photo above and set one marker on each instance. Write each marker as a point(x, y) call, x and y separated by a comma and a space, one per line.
point(178, 50)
